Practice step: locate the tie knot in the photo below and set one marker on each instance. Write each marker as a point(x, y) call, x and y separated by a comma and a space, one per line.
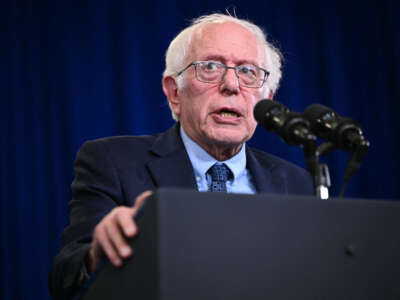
point(219, 176)
point(219, 173)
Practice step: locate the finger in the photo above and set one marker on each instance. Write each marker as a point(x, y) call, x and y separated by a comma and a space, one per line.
point(140, 200)
point(126, 221)
point(94, 256)
point(108, 248)
point(127, 224)
point(117, 239)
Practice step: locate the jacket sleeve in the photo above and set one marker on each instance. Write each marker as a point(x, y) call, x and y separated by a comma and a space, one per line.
point(96, 190)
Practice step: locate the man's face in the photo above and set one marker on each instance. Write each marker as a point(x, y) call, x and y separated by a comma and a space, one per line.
point(221, 114)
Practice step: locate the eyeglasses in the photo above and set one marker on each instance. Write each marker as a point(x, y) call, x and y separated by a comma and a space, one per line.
point(214, 72)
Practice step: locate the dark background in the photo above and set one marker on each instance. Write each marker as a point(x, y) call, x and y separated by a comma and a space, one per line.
point(77, 70)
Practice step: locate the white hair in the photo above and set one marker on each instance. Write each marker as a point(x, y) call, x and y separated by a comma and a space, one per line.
point(178, 50)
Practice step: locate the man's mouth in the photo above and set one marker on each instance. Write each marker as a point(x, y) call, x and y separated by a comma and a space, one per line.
point(228, 114)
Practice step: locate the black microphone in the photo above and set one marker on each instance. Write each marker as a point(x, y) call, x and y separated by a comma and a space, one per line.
point(277, 118)
point(344, 133)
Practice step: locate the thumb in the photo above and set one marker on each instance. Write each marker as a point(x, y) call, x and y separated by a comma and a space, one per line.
point(139, 202)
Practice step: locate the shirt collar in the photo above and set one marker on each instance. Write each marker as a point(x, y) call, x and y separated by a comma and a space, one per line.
point(202, 161)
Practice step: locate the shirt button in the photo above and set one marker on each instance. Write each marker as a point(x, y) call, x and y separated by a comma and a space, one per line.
point(198, 178)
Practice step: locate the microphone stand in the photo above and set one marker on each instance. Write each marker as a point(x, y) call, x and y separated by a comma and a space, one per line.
point(354, 162)
point(318, 170)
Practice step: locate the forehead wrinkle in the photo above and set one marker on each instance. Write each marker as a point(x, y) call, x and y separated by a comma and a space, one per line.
point(222, 59)
point(205, 35)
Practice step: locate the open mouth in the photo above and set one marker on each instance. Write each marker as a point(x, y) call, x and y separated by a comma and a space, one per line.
point(228, 113)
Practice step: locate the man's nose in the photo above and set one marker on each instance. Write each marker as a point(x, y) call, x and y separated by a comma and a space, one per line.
point(230, 82)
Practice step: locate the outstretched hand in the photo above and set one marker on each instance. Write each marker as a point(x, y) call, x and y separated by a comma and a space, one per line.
point(111, 234)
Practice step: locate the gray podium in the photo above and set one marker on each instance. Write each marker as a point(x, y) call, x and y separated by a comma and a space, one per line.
point(224, 246)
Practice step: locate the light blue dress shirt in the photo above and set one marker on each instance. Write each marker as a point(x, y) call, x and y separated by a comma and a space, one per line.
point(202, 161)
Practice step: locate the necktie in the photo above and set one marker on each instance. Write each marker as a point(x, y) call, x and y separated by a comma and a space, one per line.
point(219, 176)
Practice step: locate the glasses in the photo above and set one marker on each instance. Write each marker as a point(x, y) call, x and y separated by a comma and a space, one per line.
point(214, 72)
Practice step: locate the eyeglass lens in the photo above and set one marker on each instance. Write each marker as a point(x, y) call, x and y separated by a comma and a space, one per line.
point(213, 72)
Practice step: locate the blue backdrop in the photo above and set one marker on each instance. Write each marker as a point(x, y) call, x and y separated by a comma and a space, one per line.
point(77, 70)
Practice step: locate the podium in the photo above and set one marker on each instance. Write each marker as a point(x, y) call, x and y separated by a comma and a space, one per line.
point(228, 246)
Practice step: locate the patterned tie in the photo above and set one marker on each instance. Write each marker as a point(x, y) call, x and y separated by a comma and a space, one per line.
point(219, 176)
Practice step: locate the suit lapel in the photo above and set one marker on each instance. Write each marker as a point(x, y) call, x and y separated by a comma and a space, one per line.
point(172, 166)
point(266, 176)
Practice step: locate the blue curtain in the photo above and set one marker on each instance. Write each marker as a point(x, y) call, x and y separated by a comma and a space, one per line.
point(77, 70)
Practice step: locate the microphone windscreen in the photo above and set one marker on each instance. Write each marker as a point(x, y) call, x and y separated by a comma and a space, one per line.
point(264, 107)
point(316, 111)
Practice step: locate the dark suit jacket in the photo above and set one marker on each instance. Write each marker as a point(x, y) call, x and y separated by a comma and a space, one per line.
point(113, 171)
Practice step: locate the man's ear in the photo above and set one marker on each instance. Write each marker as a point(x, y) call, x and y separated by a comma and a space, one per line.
point(271, 94)
point(170, 89)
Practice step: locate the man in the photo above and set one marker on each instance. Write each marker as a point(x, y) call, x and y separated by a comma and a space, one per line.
point(216, 71)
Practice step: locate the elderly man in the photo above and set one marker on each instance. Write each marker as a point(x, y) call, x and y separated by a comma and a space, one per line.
point(216, 71)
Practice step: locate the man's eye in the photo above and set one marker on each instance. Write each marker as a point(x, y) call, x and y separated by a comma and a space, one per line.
point(247, 70)
point(210, 66)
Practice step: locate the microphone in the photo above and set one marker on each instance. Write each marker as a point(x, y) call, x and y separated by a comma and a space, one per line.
point(344, 133)
point(277, 118)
